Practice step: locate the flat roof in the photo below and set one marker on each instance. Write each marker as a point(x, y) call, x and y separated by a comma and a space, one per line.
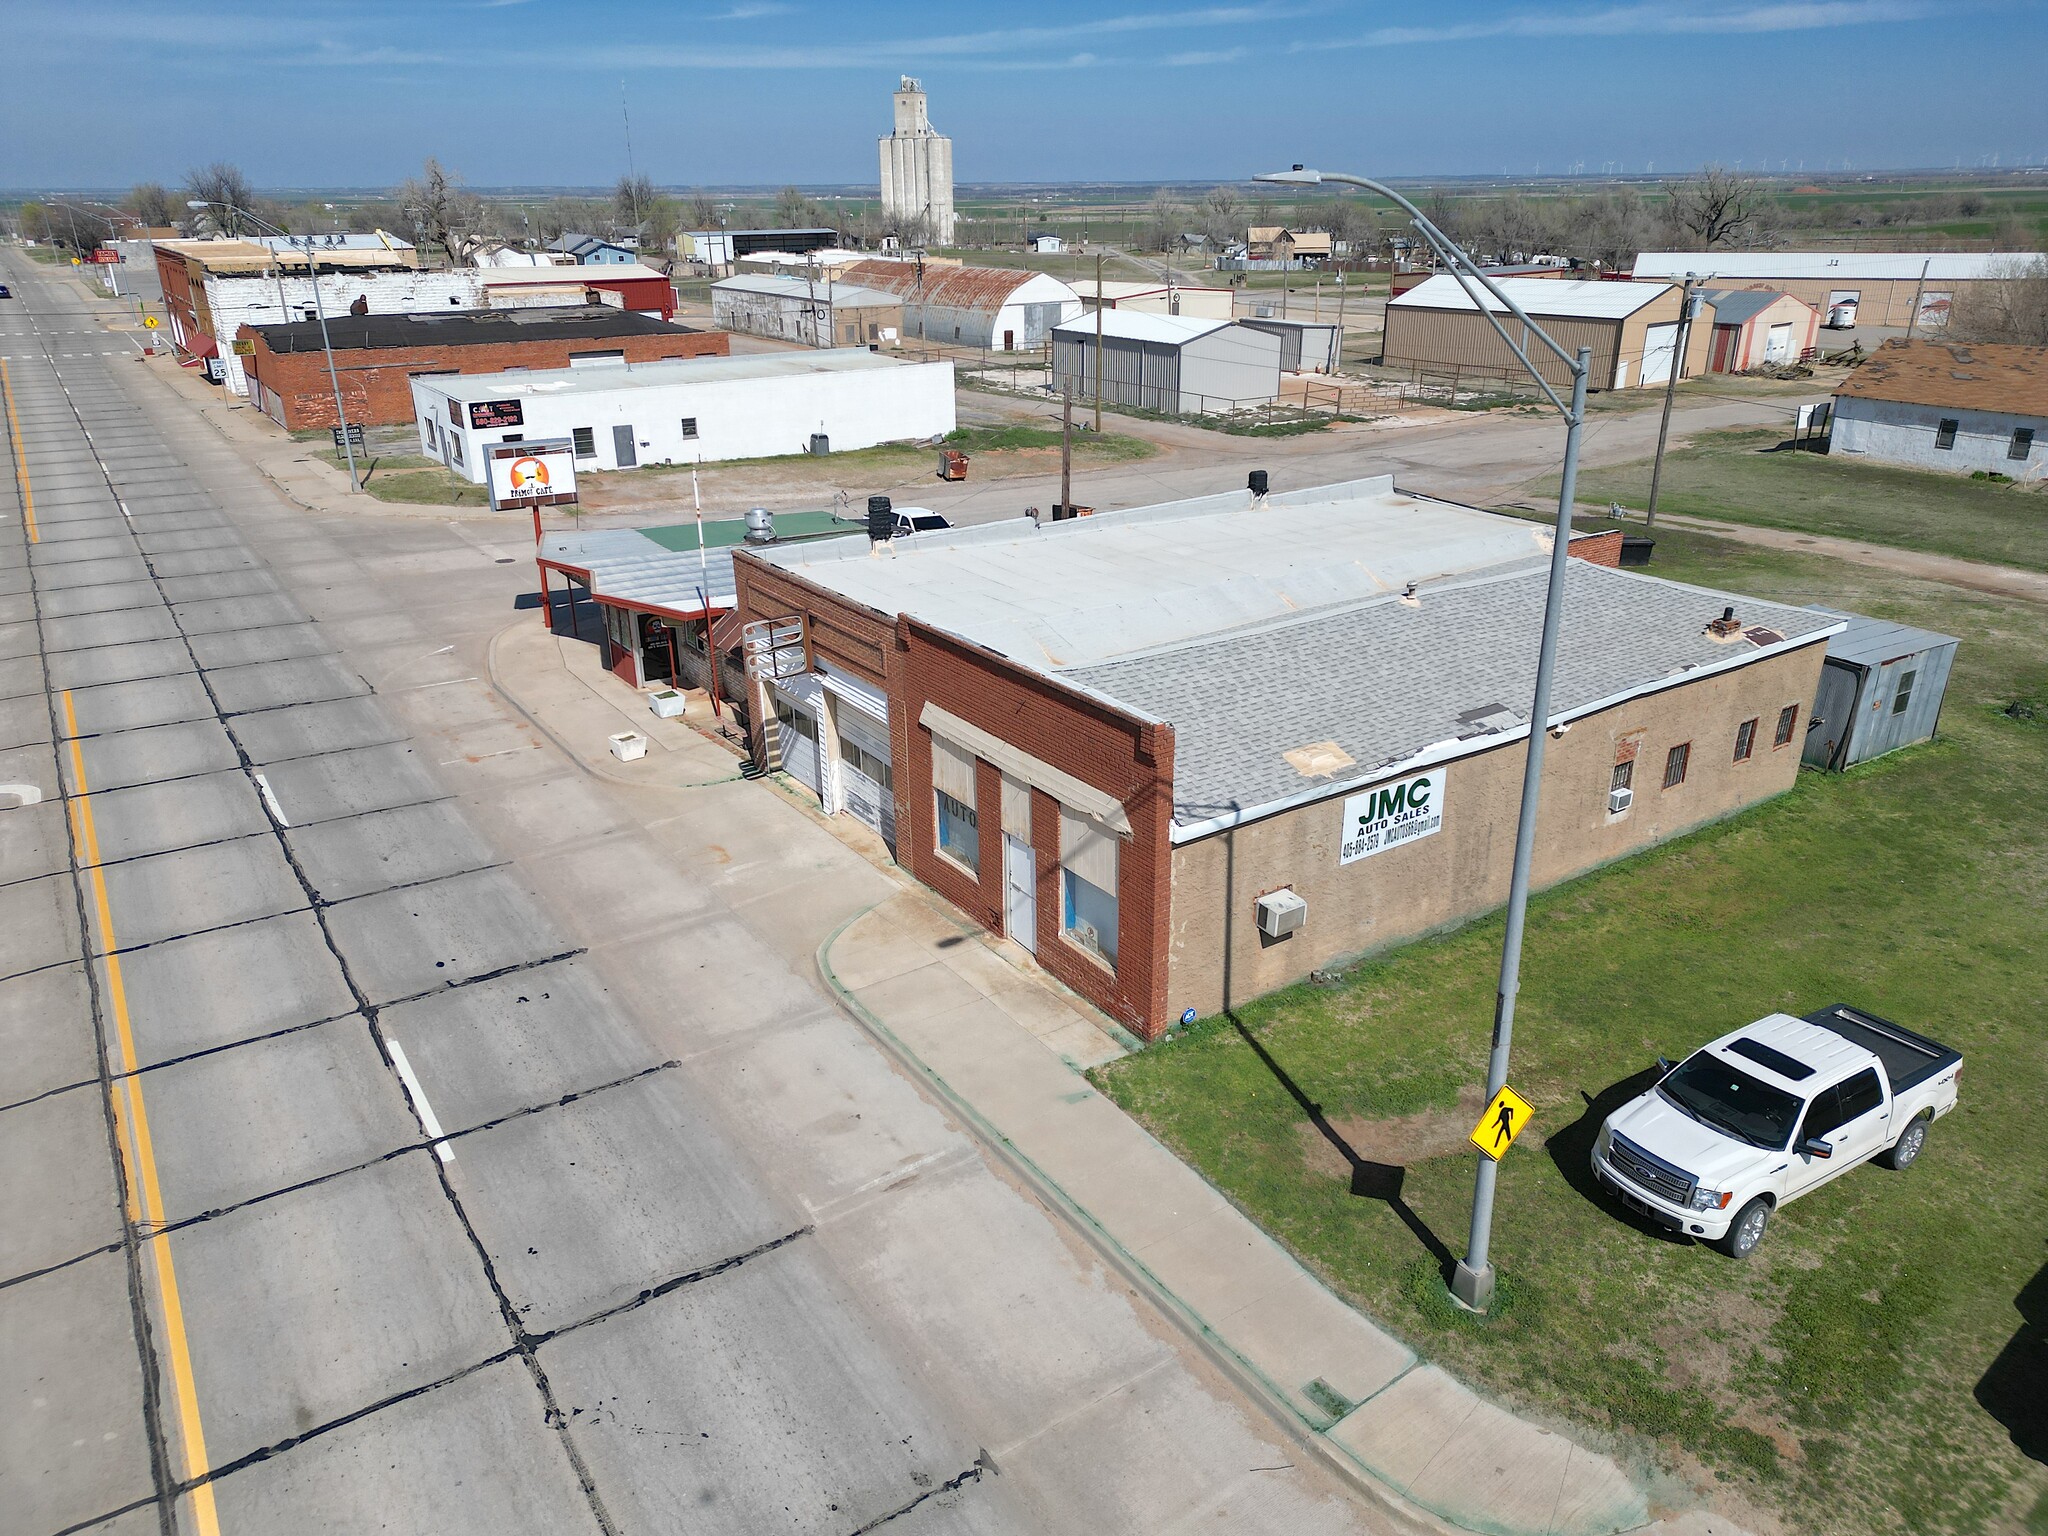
point(1180, 612)
point(659, 568)
point(468, 328)
point(805, 288)
point(1572, 297)
point(609, 272)
point(663, 371)
point(1877, 266)
point(1140, 325)
point(1952, 374)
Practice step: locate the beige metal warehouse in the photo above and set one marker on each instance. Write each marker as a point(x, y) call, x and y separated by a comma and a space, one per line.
point(1631, 327)
point(1893, 288)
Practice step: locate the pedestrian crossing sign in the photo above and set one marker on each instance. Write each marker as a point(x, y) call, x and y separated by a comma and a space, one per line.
point(1501, 1124)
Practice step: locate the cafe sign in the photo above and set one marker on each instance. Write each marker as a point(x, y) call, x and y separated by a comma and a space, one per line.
point(1389, 815)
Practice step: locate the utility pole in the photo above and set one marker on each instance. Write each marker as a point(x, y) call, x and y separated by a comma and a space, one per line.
point(1918, 289)
point(1685, 309)
point(1066, 453)
point(1098, 343)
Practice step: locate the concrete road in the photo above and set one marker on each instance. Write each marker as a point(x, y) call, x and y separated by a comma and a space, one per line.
point(392, 1138)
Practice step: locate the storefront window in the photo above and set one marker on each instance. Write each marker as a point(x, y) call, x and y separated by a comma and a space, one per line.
point(1089, 856)
point(1089, 917)
point(959, 831)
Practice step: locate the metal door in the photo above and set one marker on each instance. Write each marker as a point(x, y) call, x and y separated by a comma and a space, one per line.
point(1833, 717)
point(1039, 319)
point(1020, 892)
point(622, 447)
point(1660, 345)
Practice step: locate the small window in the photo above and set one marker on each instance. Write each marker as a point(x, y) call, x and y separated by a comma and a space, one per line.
point(585, 440)
point(1088, 916)
point(455, 448)
point(1624, 775)
point(1788, 721)
point(1945, 434)
point(959, 831)
point(1905, 694)
point(1745, 740)
point(2022, 443)
point(1674, 764)
point(689, 426)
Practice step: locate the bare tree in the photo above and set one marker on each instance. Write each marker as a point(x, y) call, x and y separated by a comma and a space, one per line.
point(366, 218)
point(1165, 217)
point(702, 209)
point(226, 193)
point(631, 199)
point(562, 215)
point(1716, 208)
point(2011, 306)
point(152, 204)
point(442, 211)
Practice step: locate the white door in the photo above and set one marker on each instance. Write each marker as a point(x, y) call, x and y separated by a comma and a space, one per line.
point(1660, 345)
point(797, 740)
point(1778, 345)
point(1020, 892)
point(864, 766)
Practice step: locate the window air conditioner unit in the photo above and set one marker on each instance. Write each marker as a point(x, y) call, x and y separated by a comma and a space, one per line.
point(1280, 913)
point(1619, 800)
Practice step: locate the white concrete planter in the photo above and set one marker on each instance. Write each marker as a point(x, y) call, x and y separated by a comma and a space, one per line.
point(628, 746)
point(667, 703)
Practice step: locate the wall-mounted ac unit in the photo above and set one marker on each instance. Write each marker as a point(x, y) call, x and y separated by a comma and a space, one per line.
point(1619, 800)
point(1280, 913)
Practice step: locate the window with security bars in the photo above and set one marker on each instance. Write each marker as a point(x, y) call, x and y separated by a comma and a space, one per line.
point(1624, 775)
point(585, 440)
point(1675, 762)
point(1745, 740)
point(1788, 721)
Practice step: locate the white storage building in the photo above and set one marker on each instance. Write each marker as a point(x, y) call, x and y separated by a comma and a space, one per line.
point(685, 410)
point(1171, 363)
point(998, 309)
point(817, 311)
point(1946, 406)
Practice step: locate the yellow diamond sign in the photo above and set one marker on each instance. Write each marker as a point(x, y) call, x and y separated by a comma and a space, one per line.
point(1501, 1124)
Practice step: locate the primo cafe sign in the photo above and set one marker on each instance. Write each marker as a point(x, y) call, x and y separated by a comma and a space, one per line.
point(531, 474)
point(1390, 815)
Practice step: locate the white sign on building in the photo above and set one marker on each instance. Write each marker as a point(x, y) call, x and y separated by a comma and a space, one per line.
point(1389, 815)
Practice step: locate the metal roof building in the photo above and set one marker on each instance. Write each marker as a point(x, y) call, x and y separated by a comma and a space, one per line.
point(1172, 363)
point(1632, 329)
point(998, 309)
point(1758, 326)
point(1889, 288)
point(1881, 689)
point(1120, 739)
point(818, 311)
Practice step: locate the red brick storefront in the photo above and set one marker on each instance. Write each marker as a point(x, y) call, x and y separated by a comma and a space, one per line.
point(291, 384)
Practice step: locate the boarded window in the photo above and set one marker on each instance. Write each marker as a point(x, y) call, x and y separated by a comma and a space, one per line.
point(953, 770)
point(689, 426)
point(1788, 721)
point(1088, 859)
point(1945, 434)
point(2022, 443)
point(1675, 763)
point(1017, 808)
point(1745, 740)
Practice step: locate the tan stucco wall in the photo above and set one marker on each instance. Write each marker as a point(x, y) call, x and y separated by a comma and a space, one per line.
point(1462, 871)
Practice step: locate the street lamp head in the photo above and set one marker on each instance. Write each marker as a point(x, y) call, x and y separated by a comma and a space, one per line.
point(197, 202)
point(1297, 177)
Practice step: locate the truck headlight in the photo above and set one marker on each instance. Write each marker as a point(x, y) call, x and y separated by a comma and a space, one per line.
point(1711, 1200)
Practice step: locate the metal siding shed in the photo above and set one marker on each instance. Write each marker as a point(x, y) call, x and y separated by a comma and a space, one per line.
point(1855, 716)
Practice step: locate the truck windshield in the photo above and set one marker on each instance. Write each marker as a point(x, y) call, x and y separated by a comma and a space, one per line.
point(1732, 1101)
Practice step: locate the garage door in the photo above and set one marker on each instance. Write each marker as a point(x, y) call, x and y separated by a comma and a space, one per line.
point(864, 768)
point(1660, 344)
point(797, 736)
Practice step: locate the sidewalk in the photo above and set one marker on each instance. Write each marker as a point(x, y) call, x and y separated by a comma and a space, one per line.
point(1004, 1047)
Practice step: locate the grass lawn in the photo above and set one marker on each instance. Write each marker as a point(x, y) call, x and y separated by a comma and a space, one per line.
point(1743, 477)
point(1834, 1378)
point(408, 478)
point(996, 449)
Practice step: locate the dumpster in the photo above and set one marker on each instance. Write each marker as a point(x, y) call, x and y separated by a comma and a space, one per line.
point(1635, 548)
point(952, 465)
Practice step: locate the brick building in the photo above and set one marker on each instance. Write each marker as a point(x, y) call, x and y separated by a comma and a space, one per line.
point(376, 357)
point(1186, 754)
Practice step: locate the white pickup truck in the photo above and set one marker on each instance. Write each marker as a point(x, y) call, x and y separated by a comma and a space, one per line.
point(1769, 1113)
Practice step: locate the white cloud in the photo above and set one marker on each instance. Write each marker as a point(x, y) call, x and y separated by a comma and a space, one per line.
point(1646, 20)
point(1213, 56)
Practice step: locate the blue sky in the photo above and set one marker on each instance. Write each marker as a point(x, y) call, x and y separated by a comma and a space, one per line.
point(737, 92)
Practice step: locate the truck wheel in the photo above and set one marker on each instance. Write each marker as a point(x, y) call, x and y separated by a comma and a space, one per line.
point(1747, 1230)
point(1911, 1140)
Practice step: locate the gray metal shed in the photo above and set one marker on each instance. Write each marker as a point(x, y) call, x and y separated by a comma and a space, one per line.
point(1880, 689)
point(1310, 345)
point(1172, 363)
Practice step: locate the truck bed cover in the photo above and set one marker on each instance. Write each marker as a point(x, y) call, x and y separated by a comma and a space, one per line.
point(1909, 1059)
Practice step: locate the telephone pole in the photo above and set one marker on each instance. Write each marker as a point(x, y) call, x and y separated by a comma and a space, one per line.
point(1098, 342)
point(1685, 308)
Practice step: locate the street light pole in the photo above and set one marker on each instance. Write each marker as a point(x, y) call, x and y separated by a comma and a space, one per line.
point(1472, 1282)
point(319, 309)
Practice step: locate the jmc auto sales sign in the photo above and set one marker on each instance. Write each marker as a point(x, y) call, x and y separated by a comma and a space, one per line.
point(1389, 815)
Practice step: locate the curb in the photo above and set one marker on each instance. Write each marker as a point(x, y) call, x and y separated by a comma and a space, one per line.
point(1242, 1373)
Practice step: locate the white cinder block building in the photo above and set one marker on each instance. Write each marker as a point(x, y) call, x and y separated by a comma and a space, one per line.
point(1946, 406)
point(235, 301)
point(685, 410)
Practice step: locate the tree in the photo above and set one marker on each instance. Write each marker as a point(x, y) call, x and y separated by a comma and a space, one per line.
point(702, 208)
point(2010, 306)
point(226, 193)
point(1716, 208)
point(152, 204)
point(1165, 218)
point(562, 215)
point(442, 211)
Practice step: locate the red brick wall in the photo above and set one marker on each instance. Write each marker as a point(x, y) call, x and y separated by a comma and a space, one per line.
point(376, 383)
point(1598, 548)
point(1096, 743)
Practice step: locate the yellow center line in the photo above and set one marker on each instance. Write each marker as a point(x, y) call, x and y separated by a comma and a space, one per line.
point(139, 1149)
point(28, 495)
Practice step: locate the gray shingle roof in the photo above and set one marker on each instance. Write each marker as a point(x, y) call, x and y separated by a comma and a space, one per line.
point(1387, 679)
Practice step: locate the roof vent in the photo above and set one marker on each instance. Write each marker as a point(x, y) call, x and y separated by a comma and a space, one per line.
point(1726, 627)
point(1257, 483)
point(760, 526)
point(881, 522)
